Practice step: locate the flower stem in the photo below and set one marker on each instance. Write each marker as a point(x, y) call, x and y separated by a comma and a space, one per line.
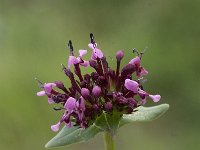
point(109, 141)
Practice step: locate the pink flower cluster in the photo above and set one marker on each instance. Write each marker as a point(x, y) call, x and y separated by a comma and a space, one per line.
point(103, 90)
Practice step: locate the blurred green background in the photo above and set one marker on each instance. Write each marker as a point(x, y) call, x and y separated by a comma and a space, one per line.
point(33, 37)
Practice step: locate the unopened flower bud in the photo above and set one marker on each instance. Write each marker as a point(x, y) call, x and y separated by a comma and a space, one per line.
point(108, 106)
point(85, 93)
point(94, 75)
point(93, 63)
point(96, 91)
point(111, 73)
point(95, 107)
point(119, 55)
point(128, 69)
point(60, 85)
point(132, 102)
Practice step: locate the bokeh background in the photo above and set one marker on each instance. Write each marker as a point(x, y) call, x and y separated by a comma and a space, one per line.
point(33, 41)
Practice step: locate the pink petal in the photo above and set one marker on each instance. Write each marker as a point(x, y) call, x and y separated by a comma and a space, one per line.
point(135, 61)
point(41, 93)
point(142, 93)
point(155, 98)
point(48, 87)
point(142, 72)
point(131, 85)
point(85, 63)
point(91, 46)
point(97, 53)
point(50, 100)
point(55, 127)
point(72, 61)
point(82, 52)
point(70, 104)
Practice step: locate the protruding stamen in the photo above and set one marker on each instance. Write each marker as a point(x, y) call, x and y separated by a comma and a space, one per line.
point(135, 51)
point(141, 53)
point(92, 38)
point(40, 84)
point(70, 47)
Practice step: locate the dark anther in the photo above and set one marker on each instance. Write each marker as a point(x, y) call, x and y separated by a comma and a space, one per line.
point(92, 38)
point(70, 46)
point(135, 51)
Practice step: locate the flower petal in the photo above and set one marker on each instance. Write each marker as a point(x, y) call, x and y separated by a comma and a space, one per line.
point(142, 72)
point(135, 61)
point(131, 85)
point(48, 87)
point(85, 63)
point(70, 104)
point(55, 127)
point(97, 53)
point(82, 52)
point(72, 61)
point(41, 93)
point(92, 46)
point(50, 100)
point(155, 98)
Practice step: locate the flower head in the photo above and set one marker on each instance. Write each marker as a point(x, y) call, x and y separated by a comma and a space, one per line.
point(103, 90)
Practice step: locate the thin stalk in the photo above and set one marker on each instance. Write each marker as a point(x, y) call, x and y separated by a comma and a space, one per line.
point(109, 141)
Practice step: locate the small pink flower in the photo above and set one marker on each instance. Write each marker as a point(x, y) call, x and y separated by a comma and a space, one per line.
point(142, 72)
point(131, 85)
point(72, 61)
point(78, 60)
point(96, 53)
point(48, 87)
point(155, 98)
point(135, 61)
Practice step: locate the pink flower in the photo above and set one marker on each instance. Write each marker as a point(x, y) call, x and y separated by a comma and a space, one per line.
point(140, 71)
point(78, 60)
point(96, 53)
point(48, 87)
point(135, 61)
point(131, 85)
point(104, 90)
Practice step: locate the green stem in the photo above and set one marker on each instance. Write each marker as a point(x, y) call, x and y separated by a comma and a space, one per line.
point(109, 141)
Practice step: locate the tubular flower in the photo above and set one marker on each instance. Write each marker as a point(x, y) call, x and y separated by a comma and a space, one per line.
point(103, 90)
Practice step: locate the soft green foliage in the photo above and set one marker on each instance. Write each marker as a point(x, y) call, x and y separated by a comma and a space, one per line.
point(106, 123)
point(72, 135)
point(145, 114)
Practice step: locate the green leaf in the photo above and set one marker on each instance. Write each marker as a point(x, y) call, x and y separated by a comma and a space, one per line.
point(72, 135)
point(113, 121)
point(144, 114)
point(108, 122)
